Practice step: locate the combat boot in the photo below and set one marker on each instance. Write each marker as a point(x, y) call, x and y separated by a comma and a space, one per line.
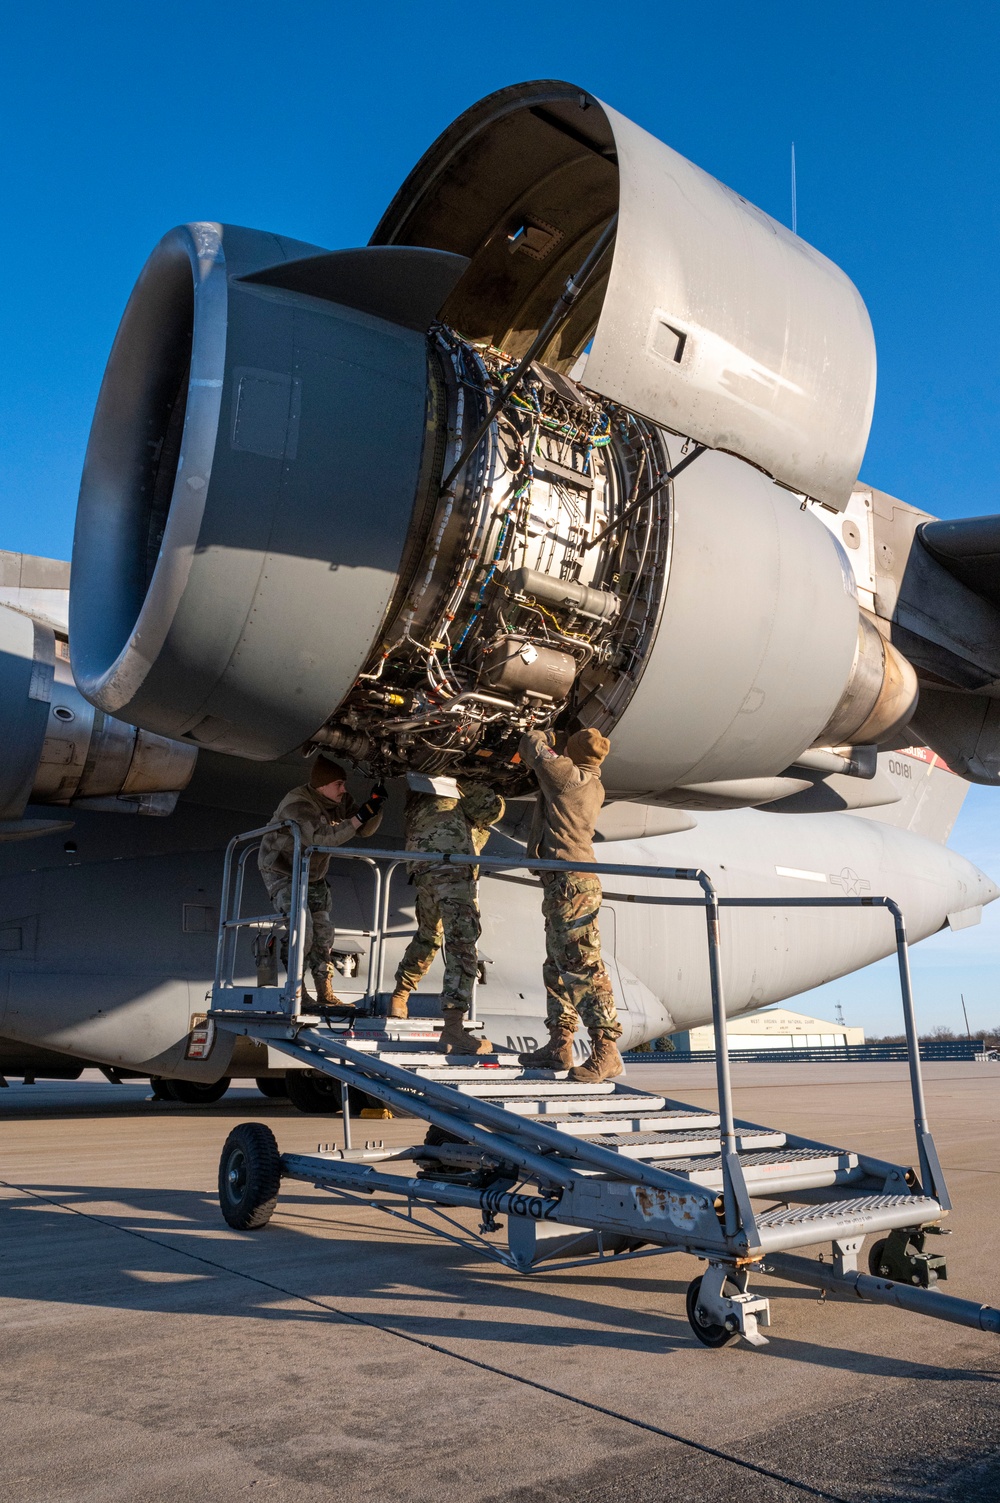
point(456, 1040)
point(557, 1054)
point(397, 1004)
point(327, 1000)
point(325, 994)
point(605, 1063)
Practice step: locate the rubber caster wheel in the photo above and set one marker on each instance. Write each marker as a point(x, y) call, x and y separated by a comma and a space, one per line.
point(313, 1093)
point(707, 1332)
point(249, 1176)
point(876, 1267)
point(272, 1086)
point(195, 1093)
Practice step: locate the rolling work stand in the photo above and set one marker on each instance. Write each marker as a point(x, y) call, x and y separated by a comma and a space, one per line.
point(585, 1172)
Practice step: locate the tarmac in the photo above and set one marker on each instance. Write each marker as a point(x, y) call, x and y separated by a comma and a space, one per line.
point(148, 1352)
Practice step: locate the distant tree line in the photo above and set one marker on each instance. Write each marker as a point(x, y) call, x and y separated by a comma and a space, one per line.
point(988, 1037)
point(665, 1045)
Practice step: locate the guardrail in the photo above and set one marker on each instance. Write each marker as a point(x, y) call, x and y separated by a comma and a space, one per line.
point(959, 1049)
point(287, 999)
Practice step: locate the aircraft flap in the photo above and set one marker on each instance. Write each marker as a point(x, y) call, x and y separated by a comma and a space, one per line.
point(969, 548)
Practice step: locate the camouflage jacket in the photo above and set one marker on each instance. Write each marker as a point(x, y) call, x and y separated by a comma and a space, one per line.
point(569, 801)
point(320, 822)
point(458, 824)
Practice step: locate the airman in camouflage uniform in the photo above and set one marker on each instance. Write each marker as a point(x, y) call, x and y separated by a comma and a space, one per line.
point(446, 903)
point(577, 985)
point(325, 815)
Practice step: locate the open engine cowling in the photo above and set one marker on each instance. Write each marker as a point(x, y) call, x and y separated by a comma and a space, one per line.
point(287, 537)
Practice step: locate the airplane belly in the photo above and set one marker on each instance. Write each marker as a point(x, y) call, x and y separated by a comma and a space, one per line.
point(138, 1022)
point(110, 960)
point(771, 954)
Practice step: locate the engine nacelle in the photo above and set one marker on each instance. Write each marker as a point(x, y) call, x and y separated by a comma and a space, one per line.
point(297, 525)
point(246, 498)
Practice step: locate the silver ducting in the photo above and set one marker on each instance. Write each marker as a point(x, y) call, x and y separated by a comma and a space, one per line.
point(60, 750)
point(87, 756)
point(880, 696)
point(564, 594)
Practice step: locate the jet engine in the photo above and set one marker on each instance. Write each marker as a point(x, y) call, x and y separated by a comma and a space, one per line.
point(539, 456)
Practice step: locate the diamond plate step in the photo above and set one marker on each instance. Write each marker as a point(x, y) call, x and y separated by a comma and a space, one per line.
point(448, 1069)
point(856, 1216)
point(770, 1170)
point(531, 1104)
point(685, 1123)
point(547, 1090)
point(685, 1145)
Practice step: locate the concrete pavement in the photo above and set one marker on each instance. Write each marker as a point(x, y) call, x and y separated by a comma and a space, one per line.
point(149, 1352)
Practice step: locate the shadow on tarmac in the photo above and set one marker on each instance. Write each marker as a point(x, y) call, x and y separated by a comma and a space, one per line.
point(168, 1251)
point(128, 1100)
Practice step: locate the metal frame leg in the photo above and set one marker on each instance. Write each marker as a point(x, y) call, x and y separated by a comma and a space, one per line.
point(345, 1107)
point(931, 1177)
point(739, 1217)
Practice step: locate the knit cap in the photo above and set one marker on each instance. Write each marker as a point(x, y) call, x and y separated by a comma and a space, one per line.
point(587, 748)
point(324, 771)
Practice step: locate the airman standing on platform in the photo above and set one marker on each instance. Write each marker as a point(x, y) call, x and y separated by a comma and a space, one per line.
point(577, 984)
point(446, 903)
point(325, 815)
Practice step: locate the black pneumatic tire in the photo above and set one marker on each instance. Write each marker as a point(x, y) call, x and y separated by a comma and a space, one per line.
point(875, 1259)
point(249, 1176)
point(308, 1091)
point(195, 1093)
point(272, 1086)
point(708, 1333)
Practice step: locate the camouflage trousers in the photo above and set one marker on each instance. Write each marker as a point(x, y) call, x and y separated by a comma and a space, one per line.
point(577, 984)
point(319, 925)
point(447, 911)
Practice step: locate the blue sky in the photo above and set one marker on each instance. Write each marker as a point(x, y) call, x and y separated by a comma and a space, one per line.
point(120, 120)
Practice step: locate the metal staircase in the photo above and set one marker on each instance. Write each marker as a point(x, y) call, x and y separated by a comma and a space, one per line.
point(586, 1171)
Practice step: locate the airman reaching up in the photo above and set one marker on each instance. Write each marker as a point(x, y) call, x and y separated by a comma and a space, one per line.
point(577, 984)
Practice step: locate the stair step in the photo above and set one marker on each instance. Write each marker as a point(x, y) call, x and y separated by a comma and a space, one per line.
point(587, 1126)
point(448, 1068)
point(381, 1028)
point(544, 1090)
point(772, 1169)
point(534, 1105)
point(798, 1226)
point(686, 1145)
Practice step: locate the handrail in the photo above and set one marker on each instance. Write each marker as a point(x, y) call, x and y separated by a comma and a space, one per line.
point(232, 898)
point(738, 1212)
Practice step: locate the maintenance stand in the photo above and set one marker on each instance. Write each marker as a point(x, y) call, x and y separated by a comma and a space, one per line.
point(584, 1172)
